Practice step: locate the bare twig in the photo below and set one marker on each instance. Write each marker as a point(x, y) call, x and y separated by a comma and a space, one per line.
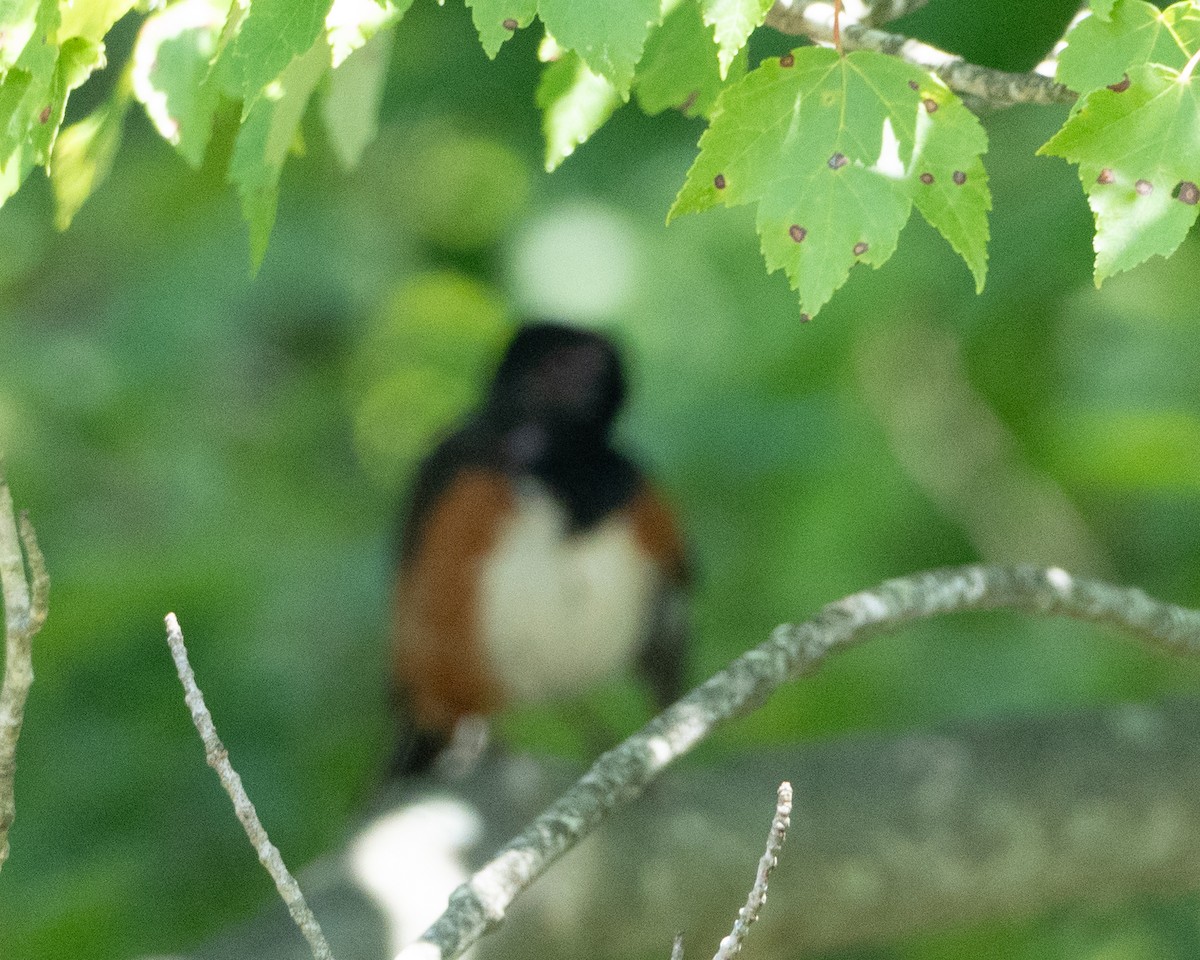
point(996, 88)
point(731, 946)
point(24, 613)
point(218, 758)
point(621, 774)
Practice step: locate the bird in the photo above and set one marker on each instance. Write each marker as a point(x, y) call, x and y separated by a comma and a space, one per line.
point(536, 559)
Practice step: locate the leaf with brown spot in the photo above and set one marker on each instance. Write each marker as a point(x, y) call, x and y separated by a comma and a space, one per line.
point(1101, 50)
point(1126, 145)
point(838, 145)
point(497, 20)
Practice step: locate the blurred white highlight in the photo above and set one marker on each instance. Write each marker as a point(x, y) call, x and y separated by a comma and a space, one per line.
point(410, 861)
point(578, 262)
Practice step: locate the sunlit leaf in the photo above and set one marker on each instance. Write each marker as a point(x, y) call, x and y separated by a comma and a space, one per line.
point(18, 22)
point(497, 20)
point(1138, 150)
point(609, 37)
point(350, 108)
point(84, 154)
point(352, 23)
point(1103, 8)
point(272, 34)
point(77, 58)
point(264, 140)
point(679, 69)
point(575, 103)
point(733, 22)
point(47, 49)
point(170, 67)
point(25, 97)
point(1100, 51)
point(834, 151)
point(91, 19)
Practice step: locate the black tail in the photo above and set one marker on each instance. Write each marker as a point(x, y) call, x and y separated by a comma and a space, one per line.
point(415, 753)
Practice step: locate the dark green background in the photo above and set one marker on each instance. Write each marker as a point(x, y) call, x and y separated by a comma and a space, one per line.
point(188, 438)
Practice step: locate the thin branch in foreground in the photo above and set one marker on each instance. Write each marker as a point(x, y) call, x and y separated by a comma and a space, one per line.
point(25, 608)
point(218, 758)
point(731, 946)
point(995, 88)
point(621, 774)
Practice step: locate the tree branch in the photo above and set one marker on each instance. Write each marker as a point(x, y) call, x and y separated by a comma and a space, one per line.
point(875, 12)
point(621, 774)
point(996, 88)
point(731, 946)
point(25, 609)
point(896, 835)
point(218, 758)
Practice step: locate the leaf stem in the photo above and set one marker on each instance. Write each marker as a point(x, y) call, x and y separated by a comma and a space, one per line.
point(837, 27)
point(1185, 75)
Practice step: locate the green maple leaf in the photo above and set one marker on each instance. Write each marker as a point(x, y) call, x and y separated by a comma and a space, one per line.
point(352, 98)
point(171, 60)
point(835, 151)
point(575, 103)
point(264, 139)
point(84, 154)
point(680, 68)
point(272, 33)
point(497, 20)
point(609, 36)
point(18, 24)
point(25, 87)
point(1101, 50)
point(733, 22)
point(352, 24)
point(50, 61)
point(1138, 149)
point(91, 20)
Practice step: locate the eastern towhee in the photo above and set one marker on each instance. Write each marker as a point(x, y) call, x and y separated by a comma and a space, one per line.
point(536, 560)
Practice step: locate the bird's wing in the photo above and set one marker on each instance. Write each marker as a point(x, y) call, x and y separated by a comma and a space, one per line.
point(438, 662)
point(663, 657)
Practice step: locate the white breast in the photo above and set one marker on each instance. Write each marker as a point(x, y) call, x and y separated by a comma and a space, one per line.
point(561, 613)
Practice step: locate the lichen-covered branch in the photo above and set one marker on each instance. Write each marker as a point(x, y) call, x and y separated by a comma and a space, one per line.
point(983, 820)
point(25, 606)
point(995, 88)
point(621, 774)
point(218, 759)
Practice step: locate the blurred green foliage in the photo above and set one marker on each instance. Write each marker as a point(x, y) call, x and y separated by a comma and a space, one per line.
point(189, 439)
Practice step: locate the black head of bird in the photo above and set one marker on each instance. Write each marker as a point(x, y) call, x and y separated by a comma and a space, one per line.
point(558, 391)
